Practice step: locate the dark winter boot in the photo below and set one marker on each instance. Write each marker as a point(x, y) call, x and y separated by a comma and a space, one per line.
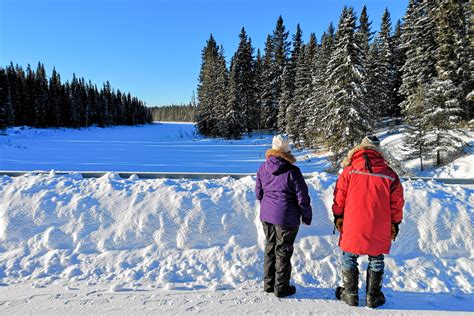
point(286, 291)
point(349, 293)
point(374, 297)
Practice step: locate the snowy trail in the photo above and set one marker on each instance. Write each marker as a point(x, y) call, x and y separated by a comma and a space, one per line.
point(94, 300)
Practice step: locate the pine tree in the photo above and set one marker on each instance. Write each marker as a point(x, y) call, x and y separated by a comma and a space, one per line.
point(41, 96)
point(420, 47)
point(399, 58)
point(318, 96)
point(220, 96)
point(258, 88)
point(241, 84)
point(206, 113)
point(382, 87)
point(277, 50)
point(268, 116)
point(302, 94)
point(6, 108)
point(232, 124)
point(364, 33)
point(346, 118)
point(30, 105)
point(54, 93)
point(288, 79)
point(415, 113)
point(445, 93)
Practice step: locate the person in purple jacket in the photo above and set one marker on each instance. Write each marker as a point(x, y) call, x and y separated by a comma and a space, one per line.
point(284, 202)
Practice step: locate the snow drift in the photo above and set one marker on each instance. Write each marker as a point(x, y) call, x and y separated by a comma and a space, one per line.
point(191, 234)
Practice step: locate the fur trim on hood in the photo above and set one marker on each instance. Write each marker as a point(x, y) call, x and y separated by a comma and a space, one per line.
point(347, 160)
point(281, 154)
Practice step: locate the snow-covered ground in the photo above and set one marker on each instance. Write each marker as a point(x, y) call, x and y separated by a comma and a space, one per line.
point(176, 245)
point(165, 147)
point(111, 245)
point(392, 140)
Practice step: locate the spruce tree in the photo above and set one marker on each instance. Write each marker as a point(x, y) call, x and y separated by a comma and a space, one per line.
point(346, 117)
point(399, 58)
point(302, 94)
point(54, 100)
point(268, 116)
point(258, 88)
point(288, 79)
point(206, 113)
point(241, 83)
point(6, 108)
point(383, 98)
point(317, 99)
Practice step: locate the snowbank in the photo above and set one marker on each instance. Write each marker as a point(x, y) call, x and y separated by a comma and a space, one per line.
point(191, 234)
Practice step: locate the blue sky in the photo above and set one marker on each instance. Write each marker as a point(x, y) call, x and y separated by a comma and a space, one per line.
point(153, 48)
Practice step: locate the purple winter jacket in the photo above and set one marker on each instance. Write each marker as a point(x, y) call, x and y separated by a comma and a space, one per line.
point(283, 193)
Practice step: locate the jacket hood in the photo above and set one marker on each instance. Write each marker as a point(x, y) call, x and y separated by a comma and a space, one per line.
point(350, 155)
point(278, 161)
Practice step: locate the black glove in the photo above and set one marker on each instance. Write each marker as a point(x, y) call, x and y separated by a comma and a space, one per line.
point(338, 219)
point(395, 230)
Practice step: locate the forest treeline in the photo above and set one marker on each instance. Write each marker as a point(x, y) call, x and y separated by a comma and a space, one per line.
point(30, 98)
point(174, 113)
point(335, 90)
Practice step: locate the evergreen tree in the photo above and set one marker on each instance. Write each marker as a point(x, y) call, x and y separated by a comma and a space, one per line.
point(415, 113)
point(258, 88)
point(452, 64)
point(399, 58)
point(241, 84)
point(41, 96)
point(268, 116)
point(419, 43)
point(364, 33)
point(212, 90)
point(381, 71)
point(277, 50)
point(318, 96)
point(302, 93)
point(288, 79)
point(6, 108)
point(232, 124)
point(346, 118)
point(30, 107)
point(54, 100)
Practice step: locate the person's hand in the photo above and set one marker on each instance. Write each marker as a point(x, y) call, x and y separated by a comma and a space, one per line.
point(395, 230)
point(306, 222)
point(338, 224)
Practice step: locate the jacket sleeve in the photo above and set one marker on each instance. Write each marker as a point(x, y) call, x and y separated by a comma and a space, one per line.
point(302, 195)
point(258, 188)
point(340, 193)
point(396, 200)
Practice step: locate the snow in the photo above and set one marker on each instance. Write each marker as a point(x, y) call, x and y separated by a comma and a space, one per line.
point(392, 140)
point(165, 147)
point(123, 246)
point(197, 245)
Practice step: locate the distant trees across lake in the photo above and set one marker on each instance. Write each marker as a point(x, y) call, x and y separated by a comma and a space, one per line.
point(174, 113)
point(29, 97)
point(334, 91)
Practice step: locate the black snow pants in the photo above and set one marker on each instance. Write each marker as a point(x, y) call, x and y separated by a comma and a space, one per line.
point(278, 252)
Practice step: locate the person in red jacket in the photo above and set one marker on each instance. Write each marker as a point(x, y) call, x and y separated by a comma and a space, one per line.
point(368, 207)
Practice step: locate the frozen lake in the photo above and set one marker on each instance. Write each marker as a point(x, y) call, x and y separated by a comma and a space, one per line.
point(159, 147)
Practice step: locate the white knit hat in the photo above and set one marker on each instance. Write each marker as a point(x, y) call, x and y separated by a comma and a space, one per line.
point(281, 143)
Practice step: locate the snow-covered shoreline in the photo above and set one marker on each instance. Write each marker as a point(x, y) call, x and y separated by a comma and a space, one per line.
point(192, 234)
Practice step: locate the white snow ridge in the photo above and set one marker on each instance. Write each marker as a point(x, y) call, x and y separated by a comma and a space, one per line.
point(123, 242)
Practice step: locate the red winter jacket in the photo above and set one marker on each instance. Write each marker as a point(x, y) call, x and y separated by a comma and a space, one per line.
point(370, 200)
